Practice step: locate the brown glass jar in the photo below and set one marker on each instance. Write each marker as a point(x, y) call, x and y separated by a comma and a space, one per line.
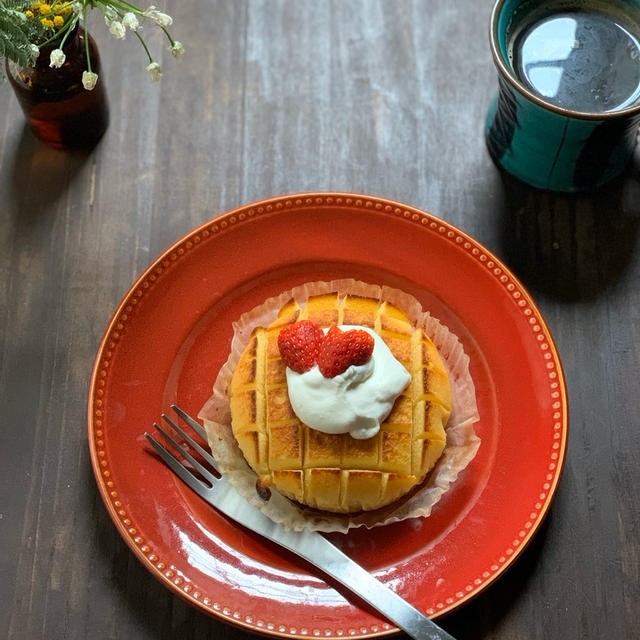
point(59, 110)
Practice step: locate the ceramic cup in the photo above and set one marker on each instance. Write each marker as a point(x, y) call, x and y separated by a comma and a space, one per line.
point(550, 145)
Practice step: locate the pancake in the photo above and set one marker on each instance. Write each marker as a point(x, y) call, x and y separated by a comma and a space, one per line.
point(336, 472)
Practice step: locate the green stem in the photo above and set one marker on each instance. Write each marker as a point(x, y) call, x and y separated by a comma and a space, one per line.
point(171, 40)
point(64, 30)
point(68, 30)
point(144, 44)
point(86, 37)
point(125, 6)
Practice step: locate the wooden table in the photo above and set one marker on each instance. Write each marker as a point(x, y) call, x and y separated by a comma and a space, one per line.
point(384, 98)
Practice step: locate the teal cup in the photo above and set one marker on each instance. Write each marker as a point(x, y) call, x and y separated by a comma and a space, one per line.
point(566, 113)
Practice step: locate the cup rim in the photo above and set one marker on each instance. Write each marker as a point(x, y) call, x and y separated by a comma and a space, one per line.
point(508, 74)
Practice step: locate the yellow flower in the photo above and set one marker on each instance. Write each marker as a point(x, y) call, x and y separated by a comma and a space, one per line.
point(36, 6)
point(28, 13)
point(45, 8)
point(47, 23)
point(58, 21)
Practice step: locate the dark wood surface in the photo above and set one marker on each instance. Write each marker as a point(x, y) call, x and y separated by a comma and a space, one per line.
point(380, 97)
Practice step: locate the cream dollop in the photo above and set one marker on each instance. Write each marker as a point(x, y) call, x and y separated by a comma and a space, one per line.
point(355, 401)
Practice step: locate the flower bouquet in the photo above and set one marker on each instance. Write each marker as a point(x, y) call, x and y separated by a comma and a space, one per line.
point(28, 26)
point(53, 64)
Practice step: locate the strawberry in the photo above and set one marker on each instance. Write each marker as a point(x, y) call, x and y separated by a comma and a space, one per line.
point(341, 349)
point(299, 345)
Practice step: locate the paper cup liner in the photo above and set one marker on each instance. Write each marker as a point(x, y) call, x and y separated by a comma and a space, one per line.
point(462, 441)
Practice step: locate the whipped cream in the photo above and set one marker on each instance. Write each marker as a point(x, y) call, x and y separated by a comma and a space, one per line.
point(355, 401)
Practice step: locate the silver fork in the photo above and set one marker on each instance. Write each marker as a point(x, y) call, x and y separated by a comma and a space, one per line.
point(310, 546)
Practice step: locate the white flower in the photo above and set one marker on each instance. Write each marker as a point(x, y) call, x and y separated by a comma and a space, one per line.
point(89, 80)
point(176, 49)
point(57, 58)
point(117, 30)
point(155, 71)
point(130, 21)
point(77, 8)
point(34, 50)
point(161, 19)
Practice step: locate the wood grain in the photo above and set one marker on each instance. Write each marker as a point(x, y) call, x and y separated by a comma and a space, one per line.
point(373, 96)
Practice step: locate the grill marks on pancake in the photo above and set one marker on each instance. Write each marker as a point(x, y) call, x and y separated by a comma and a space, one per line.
point(337, 472)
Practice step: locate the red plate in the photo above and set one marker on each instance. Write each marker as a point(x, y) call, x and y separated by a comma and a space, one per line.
point(171, 333)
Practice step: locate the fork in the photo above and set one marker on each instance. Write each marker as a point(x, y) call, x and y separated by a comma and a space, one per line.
point(309, 545)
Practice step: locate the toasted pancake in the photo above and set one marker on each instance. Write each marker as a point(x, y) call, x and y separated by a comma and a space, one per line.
point(336, 472)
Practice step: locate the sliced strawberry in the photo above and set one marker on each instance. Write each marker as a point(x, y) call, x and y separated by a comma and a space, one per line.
point(299, 344)
point(341, 349)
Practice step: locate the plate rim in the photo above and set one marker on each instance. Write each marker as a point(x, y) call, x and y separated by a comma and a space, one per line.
point(253, 210)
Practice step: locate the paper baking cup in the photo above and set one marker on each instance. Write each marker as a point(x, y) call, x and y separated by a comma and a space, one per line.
point(462, 441)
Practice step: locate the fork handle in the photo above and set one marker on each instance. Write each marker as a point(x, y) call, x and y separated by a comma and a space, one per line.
point(320, 552)
point(316, 549)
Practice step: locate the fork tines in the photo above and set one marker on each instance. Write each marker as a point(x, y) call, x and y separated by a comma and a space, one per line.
point(172, 460)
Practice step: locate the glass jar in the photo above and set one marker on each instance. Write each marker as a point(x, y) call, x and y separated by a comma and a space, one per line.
point(59, 110)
